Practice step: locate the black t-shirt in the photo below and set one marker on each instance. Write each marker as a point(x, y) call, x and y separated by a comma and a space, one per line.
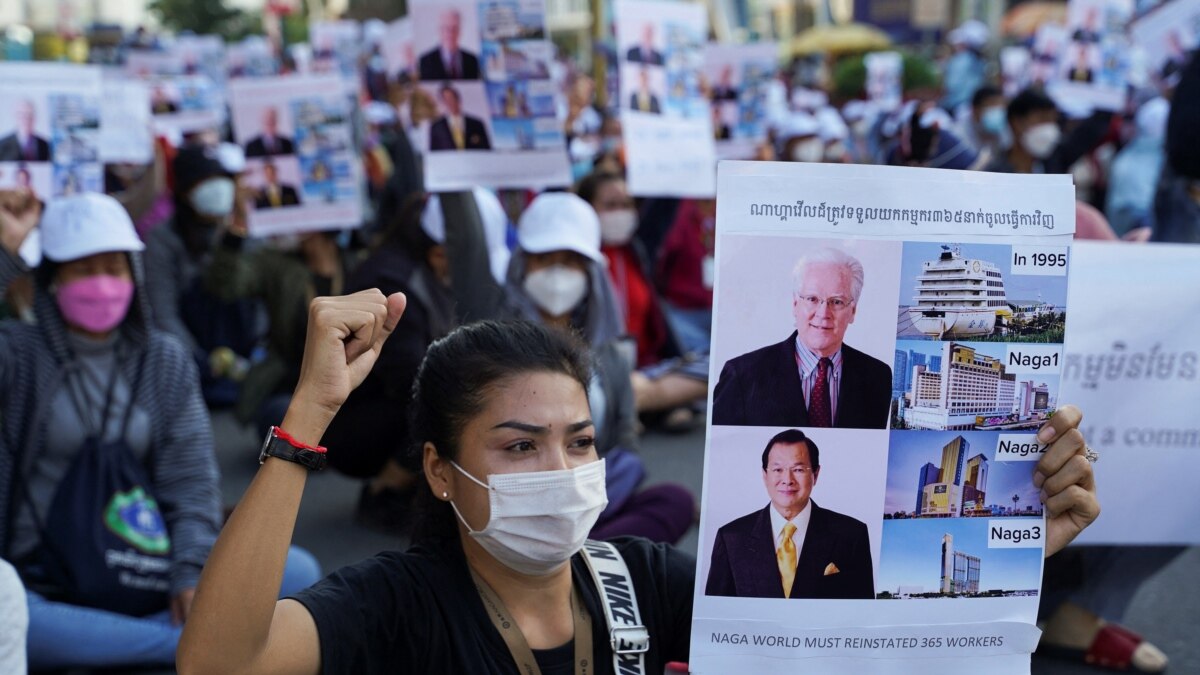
point(418, 612)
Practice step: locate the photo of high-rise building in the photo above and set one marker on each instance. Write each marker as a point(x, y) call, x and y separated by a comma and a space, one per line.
point(960, 386)
point(960, 571)
point(940, 559)
point(952, 474)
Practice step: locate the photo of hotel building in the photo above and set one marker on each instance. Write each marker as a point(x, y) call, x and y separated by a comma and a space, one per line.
point(971, 390)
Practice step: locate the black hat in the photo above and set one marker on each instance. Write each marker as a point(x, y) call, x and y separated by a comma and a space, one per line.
point(193, 165)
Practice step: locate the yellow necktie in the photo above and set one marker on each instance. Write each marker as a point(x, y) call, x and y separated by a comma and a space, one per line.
point(273, 197)
point(785, 555)
point(456, 132)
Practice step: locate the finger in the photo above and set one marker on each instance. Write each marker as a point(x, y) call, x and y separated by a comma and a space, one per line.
point(1075, 500)
point(396, 304)
point(1066, 417)
point(1069, 444)
point(1077, 471)
point(359, 325)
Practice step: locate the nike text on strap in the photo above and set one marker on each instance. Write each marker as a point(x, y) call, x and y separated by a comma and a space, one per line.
point(630, 639)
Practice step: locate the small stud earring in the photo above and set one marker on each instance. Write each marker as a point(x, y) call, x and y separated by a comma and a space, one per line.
point(445, 495)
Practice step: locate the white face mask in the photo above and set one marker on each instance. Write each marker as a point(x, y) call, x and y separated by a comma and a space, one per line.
point(616, 227)
point(213, 197)
point(556, 289)
point(539, 519)
point(1041, 140)
point(811, 150)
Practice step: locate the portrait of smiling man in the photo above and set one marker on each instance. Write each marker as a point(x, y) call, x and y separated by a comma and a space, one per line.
point(812, 378)
point(792, 548)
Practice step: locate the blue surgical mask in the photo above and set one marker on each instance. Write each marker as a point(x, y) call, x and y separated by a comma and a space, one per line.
point(994, 121)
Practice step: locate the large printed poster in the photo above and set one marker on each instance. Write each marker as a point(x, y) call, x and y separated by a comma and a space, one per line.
point(1137, 379)
point(666, 118)
point(487, 65)
point(1092, 58)
point(1166, 36)
point(183, 96)
point(50, 128)
point(738, 77)
point(300, 158)
point(886, 343)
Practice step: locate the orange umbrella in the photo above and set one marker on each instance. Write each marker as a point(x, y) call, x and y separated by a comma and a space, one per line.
point(1023, 20)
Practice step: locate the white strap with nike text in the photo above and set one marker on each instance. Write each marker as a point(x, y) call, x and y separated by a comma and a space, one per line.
point(630, 639)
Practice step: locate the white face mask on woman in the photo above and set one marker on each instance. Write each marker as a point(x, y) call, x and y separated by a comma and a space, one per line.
point(556, 289)
point(213, 197)
point(1040, 140)
point(616, 227)
point(539, 519)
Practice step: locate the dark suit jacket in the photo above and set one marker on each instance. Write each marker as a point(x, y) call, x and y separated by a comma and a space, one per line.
point(10, 149)
point(431, 67)
point(257, 147)
point(637, 55)
point(475, 135)
point(763, 388)
point(287, 197)
point(744, 566)
point(654, 107)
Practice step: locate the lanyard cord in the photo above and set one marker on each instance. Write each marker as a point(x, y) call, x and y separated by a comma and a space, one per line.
point(515, 639)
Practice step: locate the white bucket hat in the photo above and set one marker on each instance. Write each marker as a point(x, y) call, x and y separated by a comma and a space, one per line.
point(86, 224)
point(560, 221)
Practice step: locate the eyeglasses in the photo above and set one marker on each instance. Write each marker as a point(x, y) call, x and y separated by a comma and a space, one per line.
point(837, 303)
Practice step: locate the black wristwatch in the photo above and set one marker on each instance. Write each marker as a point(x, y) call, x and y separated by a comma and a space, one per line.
point(280, 444)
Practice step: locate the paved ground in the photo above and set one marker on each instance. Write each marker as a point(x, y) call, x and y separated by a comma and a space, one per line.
point(1167, 609)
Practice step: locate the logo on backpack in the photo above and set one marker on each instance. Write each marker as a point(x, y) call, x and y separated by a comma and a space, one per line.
point(134, 517)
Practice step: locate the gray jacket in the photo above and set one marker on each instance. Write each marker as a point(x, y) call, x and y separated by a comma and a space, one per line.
point(33, 362)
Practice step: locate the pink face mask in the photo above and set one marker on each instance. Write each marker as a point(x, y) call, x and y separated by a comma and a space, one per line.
point(96, 303)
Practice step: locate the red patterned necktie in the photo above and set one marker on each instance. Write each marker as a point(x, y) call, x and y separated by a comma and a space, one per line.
point(820, 413)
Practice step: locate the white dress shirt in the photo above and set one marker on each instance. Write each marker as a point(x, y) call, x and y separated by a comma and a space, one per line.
point(801, 523)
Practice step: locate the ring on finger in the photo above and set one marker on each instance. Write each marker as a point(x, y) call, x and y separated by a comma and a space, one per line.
point(1090, 454)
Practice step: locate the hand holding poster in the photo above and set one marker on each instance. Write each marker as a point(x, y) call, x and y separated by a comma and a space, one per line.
point(665, 117)
point(737, 79)
point(50, 128)
point(300, 158)
point(487, 65)
point(881, 365)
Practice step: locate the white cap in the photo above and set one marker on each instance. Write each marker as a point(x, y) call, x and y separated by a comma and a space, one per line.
point(232, 157)
point(799, 124)
point(1151, 118)
point(854, 110)
point(378, 112)
point(832, 127)
point(86, 224)
point(560, 221)
point(495, 227)
point(972, 33)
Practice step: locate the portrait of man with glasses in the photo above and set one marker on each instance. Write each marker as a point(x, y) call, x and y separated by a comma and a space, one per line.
point(812, 378)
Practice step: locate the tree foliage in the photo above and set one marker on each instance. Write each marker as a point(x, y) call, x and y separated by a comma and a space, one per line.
point(203, 17)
